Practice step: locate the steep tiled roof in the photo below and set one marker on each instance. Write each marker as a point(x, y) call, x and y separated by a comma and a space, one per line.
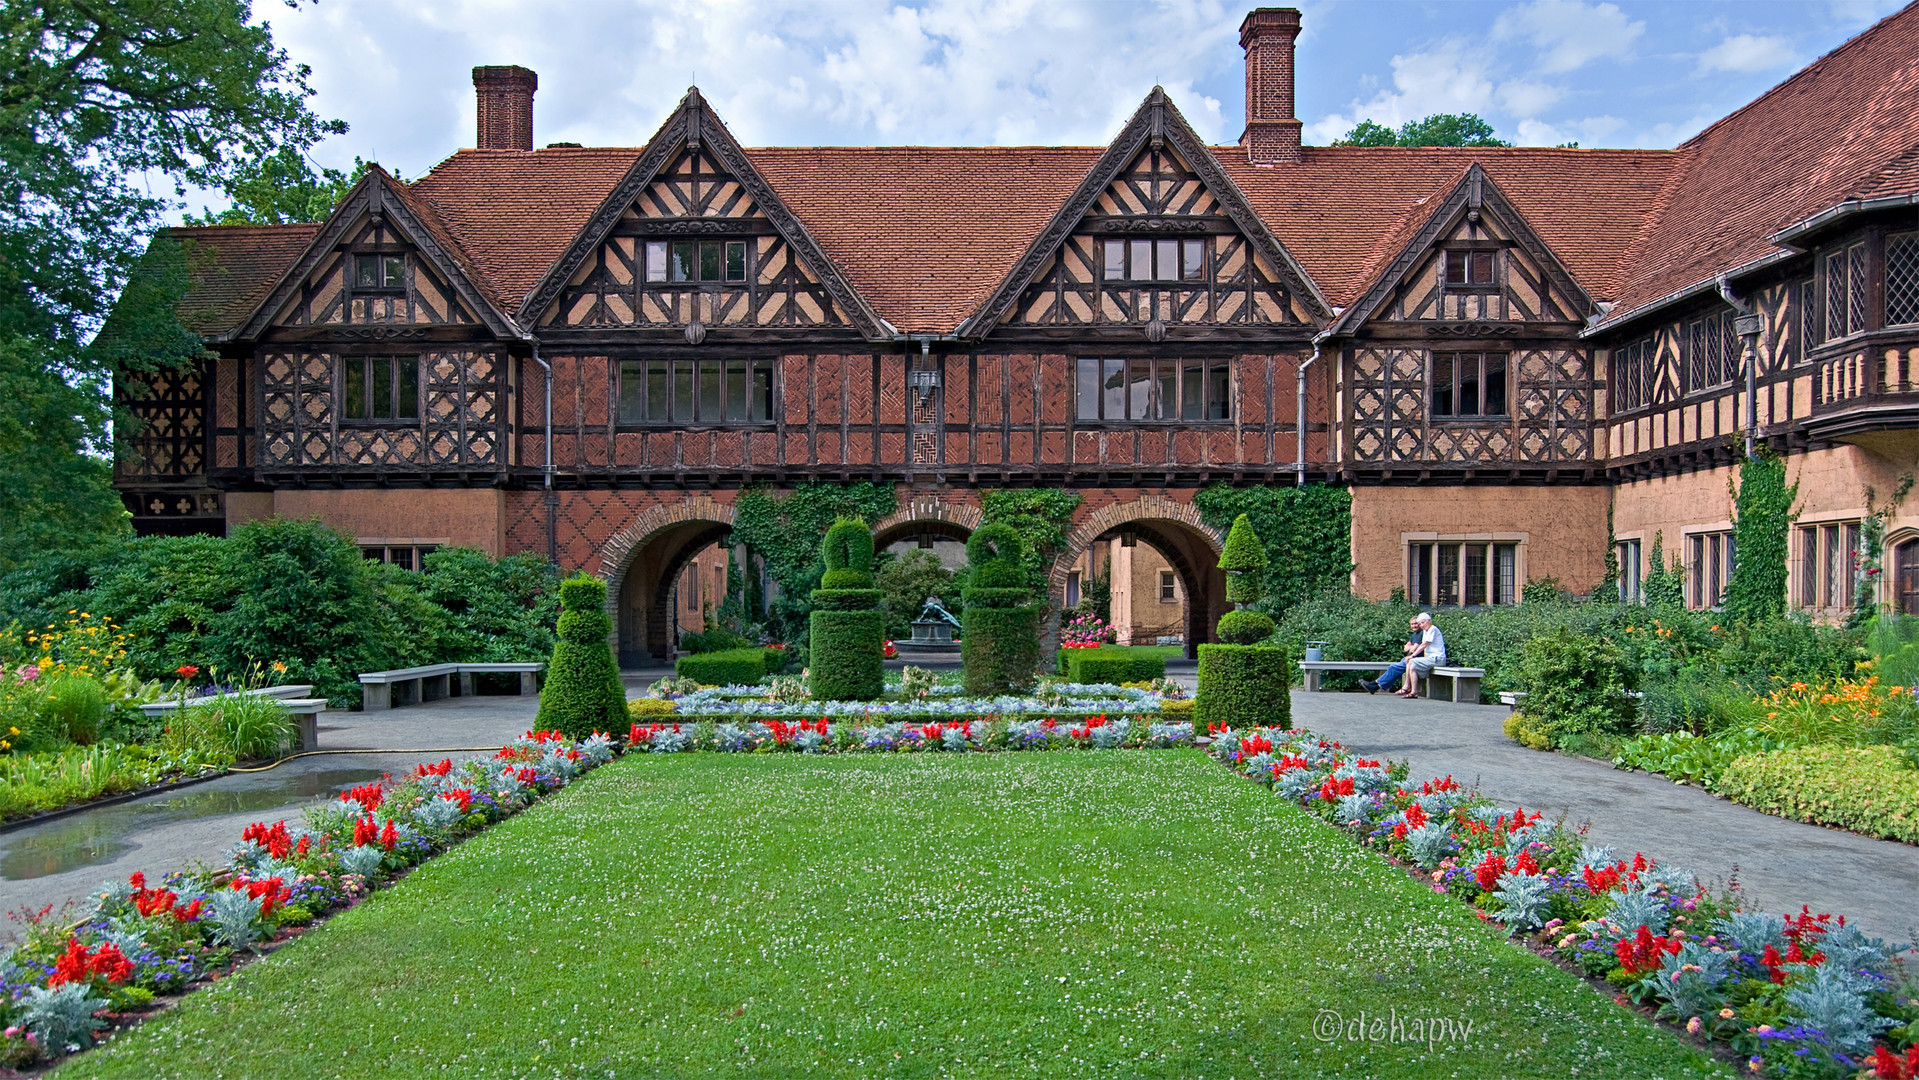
point(925, 233)
point(232, 267)
point(515, 211)
point(1806, 144)
point(1340, 205)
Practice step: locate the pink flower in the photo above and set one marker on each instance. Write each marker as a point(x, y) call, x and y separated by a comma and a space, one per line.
point(1693, 1026)
point(29, 673)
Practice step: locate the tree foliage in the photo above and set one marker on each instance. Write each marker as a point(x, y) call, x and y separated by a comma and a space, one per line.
point(96, 100)
point(1040, 516)
point(1439, 129)
point(1762, 524)
point(786, 527)
point(281, 188)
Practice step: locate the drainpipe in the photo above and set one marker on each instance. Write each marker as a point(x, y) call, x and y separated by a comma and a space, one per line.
point(1747, 325)
point(546, 469)
point(1299, 426)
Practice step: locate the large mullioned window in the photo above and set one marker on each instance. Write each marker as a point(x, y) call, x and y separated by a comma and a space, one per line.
point(682, 392)
point(1152, 391)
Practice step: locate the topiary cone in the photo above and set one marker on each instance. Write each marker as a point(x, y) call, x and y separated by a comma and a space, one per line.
point(583, 693)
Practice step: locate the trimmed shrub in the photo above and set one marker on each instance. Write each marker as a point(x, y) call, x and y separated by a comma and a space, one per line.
point(1872, 790)
point(1577, 684)
point(775, 659)
point(847, 629)
point(999, 630)
point(1245, 627)
point(714, 640)
point(1242, 686)
point(723, 668)
point(583, 693)
point(1244, 560)
point(1113, 664)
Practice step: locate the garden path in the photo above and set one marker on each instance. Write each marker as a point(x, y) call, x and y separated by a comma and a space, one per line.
point(1781, 864)
point(68, 858)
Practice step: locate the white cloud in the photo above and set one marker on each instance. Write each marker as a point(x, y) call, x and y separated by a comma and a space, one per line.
point(859, 71)
point(1747, 53)
point(1450, 77)
point(1523, 98)
point(1567, 33)
point(1589, 131)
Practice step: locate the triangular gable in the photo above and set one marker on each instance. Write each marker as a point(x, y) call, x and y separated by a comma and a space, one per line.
point(1157, 181)
point(377, 216)
point(1532, 285)
point(693, 185)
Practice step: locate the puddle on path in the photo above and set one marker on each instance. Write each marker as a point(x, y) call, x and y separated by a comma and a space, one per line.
point(102, 835)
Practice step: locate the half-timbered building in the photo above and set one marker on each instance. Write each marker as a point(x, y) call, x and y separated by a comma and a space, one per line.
point(1506, 353)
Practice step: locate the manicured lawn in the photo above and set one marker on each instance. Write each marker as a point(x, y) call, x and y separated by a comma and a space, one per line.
point(1131, 913)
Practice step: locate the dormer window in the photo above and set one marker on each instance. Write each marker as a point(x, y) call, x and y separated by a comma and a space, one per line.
point(696, 261)
point(1470, 269)
point(1155, 260)
point(379, 272)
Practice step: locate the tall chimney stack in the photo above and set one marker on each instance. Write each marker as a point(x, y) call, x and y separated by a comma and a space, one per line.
point(506, 107)
point(1272, 131)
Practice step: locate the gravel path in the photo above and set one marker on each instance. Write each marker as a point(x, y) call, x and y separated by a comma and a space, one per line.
point(1780, 864)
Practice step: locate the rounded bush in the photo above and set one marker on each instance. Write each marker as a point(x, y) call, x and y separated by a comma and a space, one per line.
point(1243, 686)
point(583, 693)
point(847, 599)
point(845, 654)
point(846, 579)
point(994, 554)
point(1243, 587)
point(71, 709)
point(1244, 627)
point(849, 546)
point(999, 648)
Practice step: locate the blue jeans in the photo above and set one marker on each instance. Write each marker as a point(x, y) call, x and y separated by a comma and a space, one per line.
point(1397, 669)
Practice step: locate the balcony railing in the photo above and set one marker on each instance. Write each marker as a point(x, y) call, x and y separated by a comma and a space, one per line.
point(1872, 385)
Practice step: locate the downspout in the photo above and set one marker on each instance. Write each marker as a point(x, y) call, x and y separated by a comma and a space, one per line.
point(546, 468)
point(1747, 325)
point(1299, 401)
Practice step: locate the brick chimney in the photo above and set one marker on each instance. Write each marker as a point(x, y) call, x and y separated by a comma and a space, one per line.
point(506, 107)
point(1272, 131)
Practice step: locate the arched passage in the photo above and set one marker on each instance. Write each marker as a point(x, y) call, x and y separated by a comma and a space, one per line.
point(1176, 531)
point(925, 515)
point(640, 565)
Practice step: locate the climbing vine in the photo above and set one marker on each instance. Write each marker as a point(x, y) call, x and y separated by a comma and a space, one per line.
point(1040, 516)
point(1762, 523)
point(1664, 585)
point(786, 527)
point(1870, 558)
point(1306, 530)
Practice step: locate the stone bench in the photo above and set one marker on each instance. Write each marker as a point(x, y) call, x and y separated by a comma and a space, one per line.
point(528, 672)
point(1512, 698)
point(381, 690)
point(1461, 682)
point(283, 693)
point(1314, 668)
point(303, 712)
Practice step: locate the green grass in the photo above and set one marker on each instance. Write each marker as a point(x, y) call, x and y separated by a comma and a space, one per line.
point(1047, 914)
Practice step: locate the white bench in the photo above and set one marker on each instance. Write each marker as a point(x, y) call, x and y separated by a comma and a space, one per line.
point(1462, 682)
point(1512, 698)
point(380, 690)
point(529, 674)
point(1314, 668)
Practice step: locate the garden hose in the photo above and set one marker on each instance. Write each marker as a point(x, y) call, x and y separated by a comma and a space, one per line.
point(316, 753)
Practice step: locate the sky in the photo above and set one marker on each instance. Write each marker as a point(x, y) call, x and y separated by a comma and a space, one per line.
point(1038, 72)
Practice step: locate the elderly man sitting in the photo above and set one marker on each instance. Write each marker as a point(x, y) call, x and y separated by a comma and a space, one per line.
point(1421, 658)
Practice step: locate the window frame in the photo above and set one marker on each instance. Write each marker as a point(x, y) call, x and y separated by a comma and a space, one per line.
point(1630, 555)
point(1184, 250)
point(1482, 361)
point(1844, 286)
point(1430, 558)
point(1908, 238)
point(384, 286)
point(1214, 380)
point(1467, 258)
point(667, 249)
point(1633, 369)
point(1827, 566)
point(651, 376)
point(1168, 587)
point(399, 365)
point(1711, 555)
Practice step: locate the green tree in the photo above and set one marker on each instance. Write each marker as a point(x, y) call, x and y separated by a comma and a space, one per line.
point(1439, 129)
point(281, 188)
point(96, 99)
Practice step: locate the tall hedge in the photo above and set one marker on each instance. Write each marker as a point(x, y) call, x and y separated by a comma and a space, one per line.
point(999, 630)
point(583, 693)
point(847, 628)
point(1242, 683)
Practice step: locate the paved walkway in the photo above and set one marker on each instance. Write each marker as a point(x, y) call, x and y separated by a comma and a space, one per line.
point(1781, 864)
point(69, 858)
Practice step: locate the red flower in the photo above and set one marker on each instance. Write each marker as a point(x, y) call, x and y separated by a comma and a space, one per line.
point(1525, 864)
point(186, 671)
point(1489, 871)
point(367, 795)
point(1640, 953)
point(365, 831)
point(387, 837)
point(1885, 1066)
point(80, 964)
point(276, 840)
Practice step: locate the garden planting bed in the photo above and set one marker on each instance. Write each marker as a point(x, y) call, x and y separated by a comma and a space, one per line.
point(868, 914)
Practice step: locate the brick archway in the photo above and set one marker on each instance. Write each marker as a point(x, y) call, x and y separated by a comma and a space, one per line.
point(1173, 528)
point(924, 514)
point(640, 564)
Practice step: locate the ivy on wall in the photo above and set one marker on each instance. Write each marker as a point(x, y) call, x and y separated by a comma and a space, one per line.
point(786, 526)
point(1040, 516)
point(1762, 522)
point(1308, 531)
point(1664, 584)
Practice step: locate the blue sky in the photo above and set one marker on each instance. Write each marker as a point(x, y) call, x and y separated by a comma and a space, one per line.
point(864, 72)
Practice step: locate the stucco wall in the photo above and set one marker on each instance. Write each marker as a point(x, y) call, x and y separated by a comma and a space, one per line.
point(1561, 529)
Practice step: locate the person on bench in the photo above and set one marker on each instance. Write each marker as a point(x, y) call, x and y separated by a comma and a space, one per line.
point(1421, 658)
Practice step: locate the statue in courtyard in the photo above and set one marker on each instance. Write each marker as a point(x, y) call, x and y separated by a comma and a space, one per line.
point(936, 610)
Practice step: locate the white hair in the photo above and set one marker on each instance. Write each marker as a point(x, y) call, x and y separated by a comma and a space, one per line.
point(1424, 616)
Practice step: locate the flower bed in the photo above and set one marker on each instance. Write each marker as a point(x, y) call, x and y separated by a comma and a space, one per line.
point(1061, 699)
point(68, 979)
point(820, 736)
point(1801, 996)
